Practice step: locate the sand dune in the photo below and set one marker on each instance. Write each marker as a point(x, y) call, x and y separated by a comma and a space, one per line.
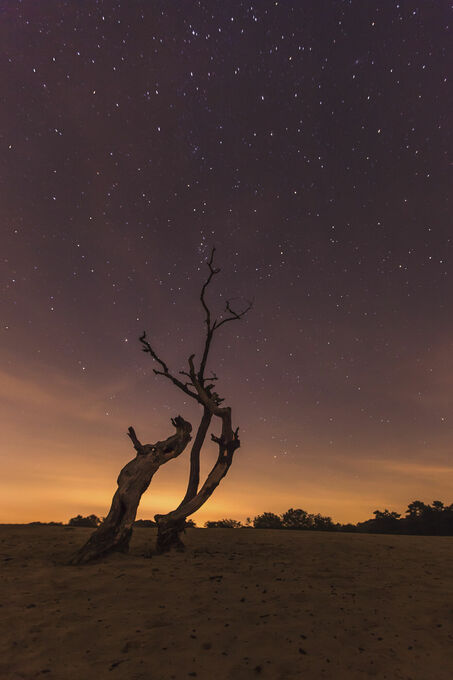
point(238, 604)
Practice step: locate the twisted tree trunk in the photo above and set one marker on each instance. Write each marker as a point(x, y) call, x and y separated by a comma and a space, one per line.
point(114, 534)
point(169, 529)
point(171, 525)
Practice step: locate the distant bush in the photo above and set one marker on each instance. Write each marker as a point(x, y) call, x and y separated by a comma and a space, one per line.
point(190, 524)
point(322, 523)
point(223, 524)
point(297, 519)
point(90, 521)
point(268, 520)
point(294, 519)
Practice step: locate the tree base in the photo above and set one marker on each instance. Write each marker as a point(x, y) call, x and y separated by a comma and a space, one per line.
point(168, 537)
point(101, 543)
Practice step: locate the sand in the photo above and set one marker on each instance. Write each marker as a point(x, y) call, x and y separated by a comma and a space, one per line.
point(237, 604)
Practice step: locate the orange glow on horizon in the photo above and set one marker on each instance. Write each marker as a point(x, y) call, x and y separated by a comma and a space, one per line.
point(63, 455)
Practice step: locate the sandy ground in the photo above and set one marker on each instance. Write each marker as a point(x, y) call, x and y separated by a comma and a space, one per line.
point(238, 604)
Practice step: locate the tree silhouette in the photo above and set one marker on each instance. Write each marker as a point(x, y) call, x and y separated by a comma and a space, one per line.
point(115, 532)
point(201, 389)
point(415, 509)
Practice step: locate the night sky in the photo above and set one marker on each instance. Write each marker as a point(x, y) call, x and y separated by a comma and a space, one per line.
point(309, 143)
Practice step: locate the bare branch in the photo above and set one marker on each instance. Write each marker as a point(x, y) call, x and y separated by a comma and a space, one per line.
point(147, 348)
point(234, 315)
point(211, 401)
point(212, 272)
point(165, 372)
point(209, 327)
point(138, 446)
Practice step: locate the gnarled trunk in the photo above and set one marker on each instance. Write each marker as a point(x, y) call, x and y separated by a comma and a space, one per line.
point(169, 534)
point(169, 530)
point(171, 525)
point(114, 534)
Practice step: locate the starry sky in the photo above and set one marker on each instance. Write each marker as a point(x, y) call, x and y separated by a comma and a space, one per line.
point(309, 142)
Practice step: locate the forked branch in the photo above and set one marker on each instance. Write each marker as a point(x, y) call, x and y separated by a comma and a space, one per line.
point(211, 327)
point(165, 371)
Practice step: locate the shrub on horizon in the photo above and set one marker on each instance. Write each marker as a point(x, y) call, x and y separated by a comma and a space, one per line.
point(268, 520)
point(90, 521)
point(223, 524)
point(297, 519)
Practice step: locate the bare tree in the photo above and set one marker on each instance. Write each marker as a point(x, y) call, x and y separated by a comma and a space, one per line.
point(115, 532)
point(201, 389)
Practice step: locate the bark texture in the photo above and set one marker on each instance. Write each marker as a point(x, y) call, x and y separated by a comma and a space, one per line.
point(114, 534)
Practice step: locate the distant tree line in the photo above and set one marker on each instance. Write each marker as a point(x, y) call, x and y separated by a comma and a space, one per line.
point(291, 519)
point(419, 519)
point(426, 520)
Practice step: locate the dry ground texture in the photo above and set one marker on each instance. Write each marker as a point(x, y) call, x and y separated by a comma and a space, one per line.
point(238, 604)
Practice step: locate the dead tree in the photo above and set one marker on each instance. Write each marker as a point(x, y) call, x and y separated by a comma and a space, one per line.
point(201, 389)
point(114, 534)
